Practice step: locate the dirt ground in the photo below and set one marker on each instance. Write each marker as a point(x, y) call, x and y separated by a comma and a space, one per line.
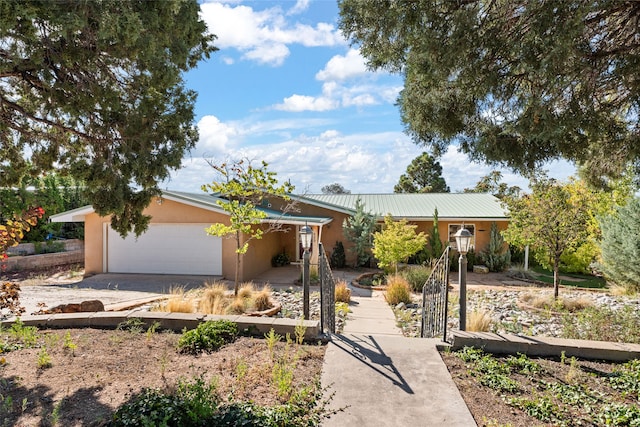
point(85, 385)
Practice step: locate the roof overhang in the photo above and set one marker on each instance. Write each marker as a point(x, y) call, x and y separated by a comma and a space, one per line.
point(74, 215)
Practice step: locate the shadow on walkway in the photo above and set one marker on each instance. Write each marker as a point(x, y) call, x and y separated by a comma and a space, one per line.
point(368, 351)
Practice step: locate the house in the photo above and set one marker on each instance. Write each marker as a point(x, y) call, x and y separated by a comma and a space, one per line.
point(176, 241)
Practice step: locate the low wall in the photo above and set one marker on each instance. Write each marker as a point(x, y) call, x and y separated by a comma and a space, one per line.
point(30, 248)
point(38, 262)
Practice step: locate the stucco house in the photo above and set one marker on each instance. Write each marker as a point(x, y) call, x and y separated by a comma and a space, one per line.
point(176, 241)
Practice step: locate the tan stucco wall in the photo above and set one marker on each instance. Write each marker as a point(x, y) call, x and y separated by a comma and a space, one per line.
point(167, 212)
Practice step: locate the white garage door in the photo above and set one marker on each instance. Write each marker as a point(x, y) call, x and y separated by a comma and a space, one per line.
point(166, 249)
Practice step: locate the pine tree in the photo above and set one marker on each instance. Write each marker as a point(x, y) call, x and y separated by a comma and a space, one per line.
point(435, 244)
point(495, 257)
point(621, 247)
point(358, 230)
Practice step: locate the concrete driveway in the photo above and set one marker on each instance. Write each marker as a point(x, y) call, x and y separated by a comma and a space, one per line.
point(114, 290)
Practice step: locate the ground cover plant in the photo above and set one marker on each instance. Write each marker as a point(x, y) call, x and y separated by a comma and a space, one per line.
point(84, 376)
point(516, 390)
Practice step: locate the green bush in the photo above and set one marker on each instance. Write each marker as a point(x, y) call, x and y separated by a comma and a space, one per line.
point(416, 276)
point(191, 404)
point(208, 336)
point(580, 259)
point(338, 258)
point(49, 247)
point(280, 260)
point(196, 404)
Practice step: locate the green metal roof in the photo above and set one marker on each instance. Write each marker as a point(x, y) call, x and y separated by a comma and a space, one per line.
point(419, 205)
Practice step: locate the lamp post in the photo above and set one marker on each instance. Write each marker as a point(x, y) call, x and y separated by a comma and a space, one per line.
point(463, 241)
point(306, 235)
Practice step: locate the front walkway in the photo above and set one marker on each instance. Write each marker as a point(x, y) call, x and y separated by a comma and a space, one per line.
point(381, 378)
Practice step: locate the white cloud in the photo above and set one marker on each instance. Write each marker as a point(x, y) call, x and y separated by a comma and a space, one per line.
point(264, 35)
point(299, 7)
point(215, 136)
point(343, 67)
point(297, 103)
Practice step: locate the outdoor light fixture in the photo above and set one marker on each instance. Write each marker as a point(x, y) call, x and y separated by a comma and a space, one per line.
point(463, 241)
point(306, 234)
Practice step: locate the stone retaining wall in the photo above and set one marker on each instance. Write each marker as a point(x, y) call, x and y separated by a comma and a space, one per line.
point(36, 262)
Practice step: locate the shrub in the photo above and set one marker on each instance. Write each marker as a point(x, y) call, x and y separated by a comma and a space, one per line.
point(280, 260)
point(338, 258)
point(189, 405)
point(496, 257)
point(343, 293)
point(208, 336)
point(397, 290)
point(580, 259)
point(416, 276)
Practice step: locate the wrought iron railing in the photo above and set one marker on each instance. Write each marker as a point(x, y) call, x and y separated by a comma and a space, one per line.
point(435, 299)
point(327, 294)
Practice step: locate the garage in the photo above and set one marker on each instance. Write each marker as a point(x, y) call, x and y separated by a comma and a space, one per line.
point(164, 249)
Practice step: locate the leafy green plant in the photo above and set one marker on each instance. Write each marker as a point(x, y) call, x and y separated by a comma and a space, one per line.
point(272, 339)
point(280, 260)
point(208, 336)
point(132, 324)
point(282, 376)
point(191, 404)
point(44, 359)
point(68, 343)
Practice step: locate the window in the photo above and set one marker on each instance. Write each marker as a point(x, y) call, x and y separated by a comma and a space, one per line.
point(453, 229)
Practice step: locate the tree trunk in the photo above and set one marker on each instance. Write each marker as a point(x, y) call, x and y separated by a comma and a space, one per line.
point(235, 284)
point(556, 279)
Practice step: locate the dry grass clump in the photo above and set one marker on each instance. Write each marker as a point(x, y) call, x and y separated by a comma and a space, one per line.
point(237, 306)
point(213, 298)
point(262, 299)
point(343, 293)
point(548, 302)
point(397, 290)
point(619, 290)
point(246, 290)
point(479, 321)
point(216, 299)
point(178, 302)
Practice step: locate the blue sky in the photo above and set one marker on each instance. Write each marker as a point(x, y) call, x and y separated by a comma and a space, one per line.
point(287, 88)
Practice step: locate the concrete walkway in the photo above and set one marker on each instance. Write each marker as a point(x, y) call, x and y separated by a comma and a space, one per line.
point(381, 378)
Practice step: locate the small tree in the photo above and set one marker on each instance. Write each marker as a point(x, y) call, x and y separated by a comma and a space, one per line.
point(620, 245)
point(245, 187)
point(550, 220)
point(497, 256)
point(435, 244)
point(358, 230)
point(396, 242)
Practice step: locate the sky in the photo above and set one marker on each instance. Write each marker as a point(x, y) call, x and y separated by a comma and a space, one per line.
point(287, 88)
